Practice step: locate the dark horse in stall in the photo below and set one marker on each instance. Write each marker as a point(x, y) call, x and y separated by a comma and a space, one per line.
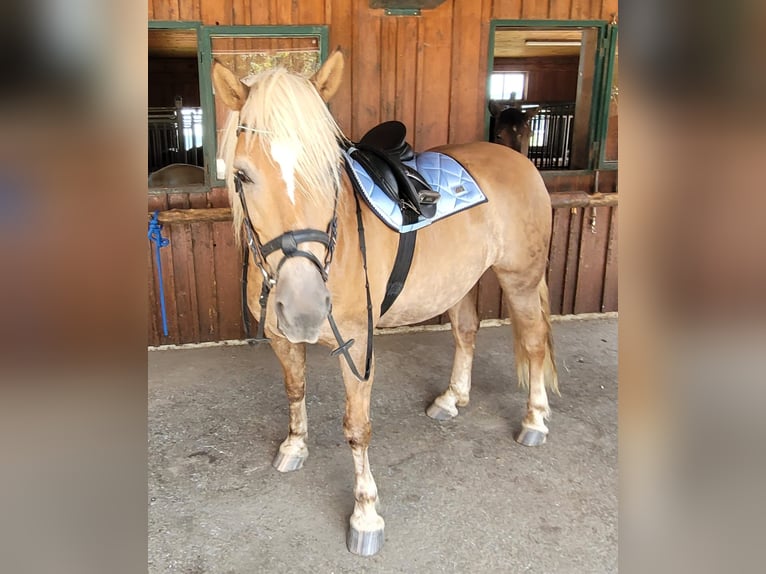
point(511, 126)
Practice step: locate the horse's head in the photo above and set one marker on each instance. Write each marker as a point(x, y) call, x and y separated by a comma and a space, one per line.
point(282, 155)
point(512, 126)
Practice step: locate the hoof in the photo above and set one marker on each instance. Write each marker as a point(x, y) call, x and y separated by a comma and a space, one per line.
point(287, 462)
point(364, 543)
point(439, 414)
point(531, 437)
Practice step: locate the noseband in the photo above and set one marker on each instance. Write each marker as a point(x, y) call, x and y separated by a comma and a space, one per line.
point(288, 243)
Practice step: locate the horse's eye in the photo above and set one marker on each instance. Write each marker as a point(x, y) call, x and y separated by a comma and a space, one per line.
point(242, 176)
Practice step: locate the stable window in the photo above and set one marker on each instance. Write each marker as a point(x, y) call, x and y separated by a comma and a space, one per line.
point(561, 63)
point(174, 112)
point(507, 86)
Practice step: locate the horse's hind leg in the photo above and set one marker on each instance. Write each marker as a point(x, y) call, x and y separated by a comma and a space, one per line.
point(293, 450)
point(534, 353)
point(465, 323)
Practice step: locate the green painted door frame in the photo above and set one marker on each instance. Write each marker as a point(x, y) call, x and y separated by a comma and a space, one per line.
point(596, 111)
point(606, 92)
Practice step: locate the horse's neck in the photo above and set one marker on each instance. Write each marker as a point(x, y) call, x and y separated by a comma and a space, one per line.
point(349, 243)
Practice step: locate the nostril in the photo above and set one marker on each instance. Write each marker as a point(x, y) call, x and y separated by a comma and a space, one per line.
point(327, 302)
point(280, 308)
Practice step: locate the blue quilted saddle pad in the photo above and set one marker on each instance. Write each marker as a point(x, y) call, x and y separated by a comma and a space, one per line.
point(458, 190)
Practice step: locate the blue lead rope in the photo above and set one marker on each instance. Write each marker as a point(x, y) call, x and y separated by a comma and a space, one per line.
point(155, 235)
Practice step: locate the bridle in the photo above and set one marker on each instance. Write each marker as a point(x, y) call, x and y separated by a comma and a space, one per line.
point(288, 243)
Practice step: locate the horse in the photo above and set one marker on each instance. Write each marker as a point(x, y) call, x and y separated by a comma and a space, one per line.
point(512, 126)
point(293, 201)
point(177, 175)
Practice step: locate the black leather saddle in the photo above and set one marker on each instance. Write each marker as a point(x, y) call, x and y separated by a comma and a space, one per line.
point(381, 152)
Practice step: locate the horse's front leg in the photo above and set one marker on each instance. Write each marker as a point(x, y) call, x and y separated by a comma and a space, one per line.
point(293, 450)
point(365, 534)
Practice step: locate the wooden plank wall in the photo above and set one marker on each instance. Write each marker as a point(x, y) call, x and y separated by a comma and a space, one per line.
point(201, 270)
point(428, 72)
point(548, 79)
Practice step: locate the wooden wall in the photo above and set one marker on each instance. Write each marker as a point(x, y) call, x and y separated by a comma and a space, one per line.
point(428, 72)
point(171, 77)
point(548, 79)
point(202, 269)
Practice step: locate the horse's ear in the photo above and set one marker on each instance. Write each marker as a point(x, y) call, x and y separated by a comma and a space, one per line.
point(495, 107)
point(327, 79)
point(228, 87)
point(529, 114)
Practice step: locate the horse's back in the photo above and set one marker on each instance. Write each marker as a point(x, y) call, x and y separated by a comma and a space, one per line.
point(508, 178)
point(517, 215)
point(510, 231)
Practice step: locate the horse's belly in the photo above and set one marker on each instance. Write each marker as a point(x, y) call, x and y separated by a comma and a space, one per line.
point(427, 305)
point(436, 282)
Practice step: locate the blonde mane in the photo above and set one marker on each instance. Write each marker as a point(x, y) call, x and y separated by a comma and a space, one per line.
point(286, 108)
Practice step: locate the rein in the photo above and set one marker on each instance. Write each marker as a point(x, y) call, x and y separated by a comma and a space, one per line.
point(288, 243)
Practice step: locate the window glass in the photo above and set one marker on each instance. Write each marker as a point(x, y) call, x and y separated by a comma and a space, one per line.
point(507, 86)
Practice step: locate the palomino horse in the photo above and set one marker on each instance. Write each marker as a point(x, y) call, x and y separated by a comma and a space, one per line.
point(177, 175)
point(310, 237)
point(511, 126)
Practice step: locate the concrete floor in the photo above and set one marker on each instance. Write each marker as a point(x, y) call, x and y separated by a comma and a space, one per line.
point(458, 496)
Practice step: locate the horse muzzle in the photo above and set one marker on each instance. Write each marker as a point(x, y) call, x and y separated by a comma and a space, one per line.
point(301, 301)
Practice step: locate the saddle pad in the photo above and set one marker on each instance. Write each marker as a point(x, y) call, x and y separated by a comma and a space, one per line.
point(458, 190)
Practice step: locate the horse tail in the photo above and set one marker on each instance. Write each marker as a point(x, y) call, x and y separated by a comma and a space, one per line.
point(550, 375)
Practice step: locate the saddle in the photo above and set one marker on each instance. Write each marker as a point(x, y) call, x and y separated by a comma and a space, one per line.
point(401, 197)
point(381, 152)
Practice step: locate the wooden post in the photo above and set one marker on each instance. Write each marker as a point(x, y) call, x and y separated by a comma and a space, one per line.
point(585, 93)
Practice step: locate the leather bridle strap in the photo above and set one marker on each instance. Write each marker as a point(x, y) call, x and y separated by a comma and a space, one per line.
point(343, 347)
point(288, 244)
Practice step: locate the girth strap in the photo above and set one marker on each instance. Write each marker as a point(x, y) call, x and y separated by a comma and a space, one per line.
point(402, 263)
